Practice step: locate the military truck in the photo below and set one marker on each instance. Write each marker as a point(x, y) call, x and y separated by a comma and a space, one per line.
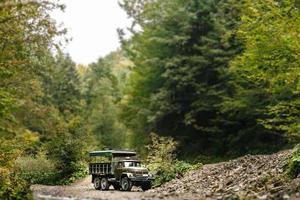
point(119, 168)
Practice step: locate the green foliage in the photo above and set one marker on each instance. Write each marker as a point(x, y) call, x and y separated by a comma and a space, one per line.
point(181, 167)
point(36, 170)
point(213, 78)
point(13, 187)
point(102, 89)
point(206, 159)
point(80, 170)
point(179, 79)
point(267, 72)
point(219, 76)
point(293, 168)
point(65, 88)
point(68, 153)
point(40, 101)
point(161, 160)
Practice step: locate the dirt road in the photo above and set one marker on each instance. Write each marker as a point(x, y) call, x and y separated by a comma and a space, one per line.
point(85, 190)
point(80, 190)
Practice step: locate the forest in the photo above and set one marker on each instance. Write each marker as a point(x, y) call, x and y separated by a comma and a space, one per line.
point(203, 80)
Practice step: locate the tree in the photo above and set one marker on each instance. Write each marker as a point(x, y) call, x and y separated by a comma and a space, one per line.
point(268, 68)
point(180, 55)
point(26, 33)
point(66, 85)
point(103, 83)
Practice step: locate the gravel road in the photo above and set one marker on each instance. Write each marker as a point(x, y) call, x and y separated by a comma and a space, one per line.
point(85, 190)
point(81, 190)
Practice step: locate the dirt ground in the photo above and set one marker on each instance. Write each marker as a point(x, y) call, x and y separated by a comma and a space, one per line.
point(84, 189)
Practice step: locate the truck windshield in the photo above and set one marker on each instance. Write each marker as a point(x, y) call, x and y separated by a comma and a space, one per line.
point(132, 164)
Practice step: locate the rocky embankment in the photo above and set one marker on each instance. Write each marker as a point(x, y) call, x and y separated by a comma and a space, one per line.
point(249, 177)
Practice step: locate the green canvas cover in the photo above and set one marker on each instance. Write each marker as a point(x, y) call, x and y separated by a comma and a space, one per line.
point(113, 153)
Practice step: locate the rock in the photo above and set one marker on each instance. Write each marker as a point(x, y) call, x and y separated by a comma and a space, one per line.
point(286, 196)
point(263, 197)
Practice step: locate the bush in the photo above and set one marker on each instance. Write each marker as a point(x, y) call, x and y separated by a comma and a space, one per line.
point(293, 168)
point(43, 171)
point(13, 187)
point(162, 161)
point(208, 159)
point(36, 170)
point(79, 169)
point(160, 158)
point(181, 167)
point(69, 154)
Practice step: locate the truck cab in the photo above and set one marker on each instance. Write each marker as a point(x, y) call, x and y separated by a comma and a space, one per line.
point(121, 169)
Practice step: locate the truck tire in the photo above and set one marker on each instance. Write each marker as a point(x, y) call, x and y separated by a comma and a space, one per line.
point(104, 183)
point(97, 183)
point(126, 184)
point(146, 186)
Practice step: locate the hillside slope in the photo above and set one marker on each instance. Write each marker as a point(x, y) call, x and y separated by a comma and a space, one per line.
point(252, 176)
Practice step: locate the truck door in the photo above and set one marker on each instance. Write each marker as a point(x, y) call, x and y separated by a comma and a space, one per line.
point(119, 170)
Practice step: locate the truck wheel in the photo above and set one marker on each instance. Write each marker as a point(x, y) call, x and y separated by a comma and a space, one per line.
point(146, 186)
point(126, 184)
point(97, 183)
point(104, 183)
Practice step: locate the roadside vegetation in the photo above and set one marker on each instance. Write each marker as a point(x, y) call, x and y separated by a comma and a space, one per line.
point(162, 160)
point(293, 168)
point(214, 79)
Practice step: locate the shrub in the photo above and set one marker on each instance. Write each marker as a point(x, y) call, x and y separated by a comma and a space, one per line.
point(36, 170)
point(160, 158)
point(207, 159)
point(162, 161)
point(80, 170)
point(13, 187)
point(181, 167)
point(293, 168)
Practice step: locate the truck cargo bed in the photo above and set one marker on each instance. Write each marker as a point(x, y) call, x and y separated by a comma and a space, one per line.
point(100, 168)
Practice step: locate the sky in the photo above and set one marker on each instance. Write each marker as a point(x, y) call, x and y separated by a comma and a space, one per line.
point(92, 25)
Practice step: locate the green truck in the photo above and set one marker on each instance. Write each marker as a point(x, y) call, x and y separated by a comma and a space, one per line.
point(119, 168)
